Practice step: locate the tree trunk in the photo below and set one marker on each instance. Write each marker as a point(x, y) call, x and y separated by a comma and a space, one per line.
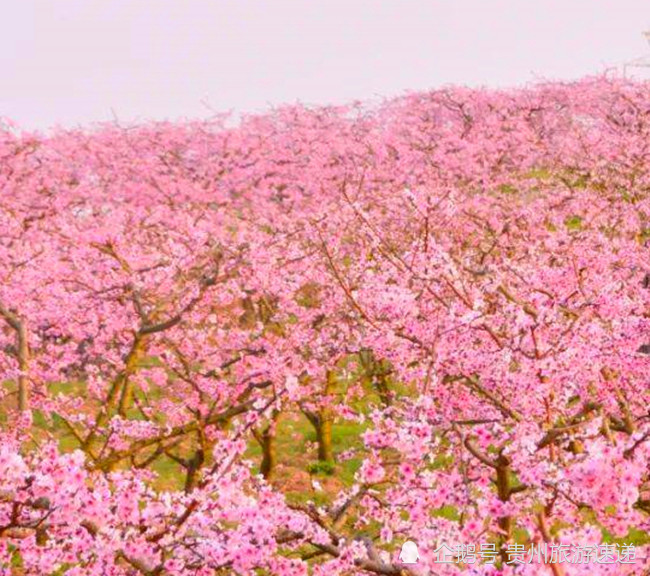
point(22, 354)
point(23, 364)
point(324, 439)
point(132, 361)
point(193, 467)
point(378, 373)
point(504, 491)
point(269, 453)
point(117, 393)
point(322, 422)
point(381, 383)
point(266, 438)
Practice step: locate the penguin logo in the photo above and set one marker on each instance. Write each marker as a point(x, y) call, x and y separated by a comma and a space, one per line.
point(409, 553)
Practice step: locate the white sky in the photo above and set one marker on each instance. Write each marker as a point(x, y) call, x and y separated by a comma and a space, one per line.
point(72, 62)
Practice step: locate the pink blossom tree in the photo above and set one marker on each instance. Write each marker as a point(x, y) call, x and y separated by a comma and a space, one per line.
point(476, 259)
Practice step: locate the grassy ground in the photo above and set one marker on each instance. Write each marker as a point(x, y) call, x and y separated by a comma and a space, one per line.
point(296, 447)
point(296, 450)
point(296, 454)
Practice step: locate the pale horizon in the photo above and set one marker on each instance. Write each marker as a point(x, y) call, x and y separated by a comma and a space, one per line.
point(78, 62)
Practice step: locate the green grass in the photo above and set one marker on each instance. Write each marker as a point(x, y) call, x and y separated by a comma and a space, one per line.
point(297, 460)
point(296, 440)
point(573, 223)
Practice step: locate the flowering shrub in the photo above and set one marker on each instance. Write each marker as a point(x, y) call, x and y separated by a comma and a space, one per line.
point(464, 272)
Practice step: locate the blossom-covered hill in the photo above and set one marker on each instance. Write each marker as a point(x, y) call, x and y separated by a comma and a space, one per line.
point(461, 278)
